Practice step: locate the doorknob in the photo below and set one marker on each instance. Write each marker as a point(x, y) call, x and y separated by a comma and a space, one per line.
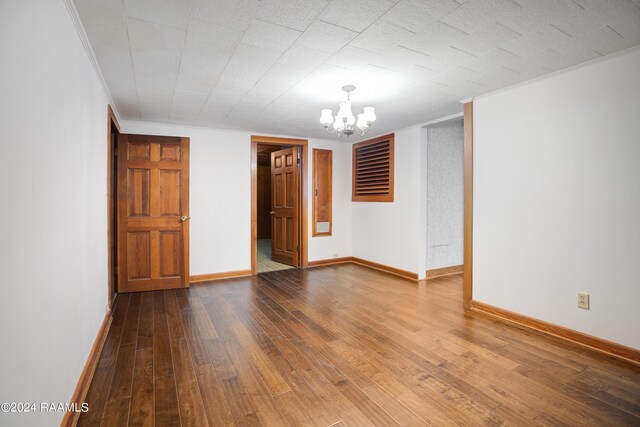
point(184, 218)
point(271, 213)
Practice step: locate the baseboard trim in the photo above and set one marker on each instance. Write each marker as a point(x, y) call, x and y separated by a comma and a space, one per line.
point(330, 261)
point(218, 276)
point(444, 271)
point(609, 348)
point(366, 263)
point(82, 387)
point(386, 269)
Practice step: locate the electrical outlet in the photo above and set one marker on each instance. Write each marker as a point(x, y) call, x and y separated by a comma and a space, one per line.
point(583, 301)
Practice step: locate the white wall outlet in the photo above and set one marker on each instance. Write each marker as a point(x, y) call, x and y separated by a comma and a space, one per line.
point(583, 301)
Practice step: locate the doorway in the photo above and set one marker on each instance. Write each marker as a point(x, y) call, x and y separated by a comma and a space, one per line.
point(264, 193)
point(278, 204)
point(445, 197)
point(113, 134)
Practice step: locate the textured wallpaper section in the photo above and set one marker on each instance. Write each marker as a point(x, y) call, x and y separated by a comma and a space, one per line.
point(445, 194)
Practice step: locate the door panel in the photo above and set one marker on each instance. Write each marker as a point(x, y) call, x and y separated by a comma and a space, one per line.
point(169, 193)
point(153, 180)
point(285, 206)
point(138, 189)
point(170, 243)
point(138, 248)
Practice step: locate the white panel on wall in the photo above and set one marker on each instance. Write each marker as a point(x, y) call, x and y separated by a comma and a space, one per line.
point(445, 170)
point(557, 198)
point(53, 215)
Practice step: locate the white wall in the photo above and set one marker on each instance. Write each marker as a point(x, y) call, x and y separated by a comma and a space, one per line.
point(53, 225)
point(220, 197)
point(389, 233)
point(445, 191)
point(557, 198)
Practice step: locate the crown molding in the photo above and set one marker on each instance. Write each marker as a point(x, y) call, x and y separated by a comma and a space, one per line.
point(75, 18)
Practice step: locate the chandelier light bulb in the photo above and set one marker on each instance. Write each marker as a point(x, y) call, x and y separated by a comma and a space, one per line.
point(338, 123)
point(369, 114)
point(362, 121)
point(327, 117)
point(345, 111)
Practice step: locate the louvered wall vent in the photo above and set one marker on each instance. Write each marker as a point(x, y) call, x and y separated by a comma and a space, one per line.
point(373, 170)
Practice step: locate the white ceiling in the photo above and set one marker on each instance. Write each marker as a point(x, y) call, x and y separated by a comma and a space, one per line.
point(271, 65)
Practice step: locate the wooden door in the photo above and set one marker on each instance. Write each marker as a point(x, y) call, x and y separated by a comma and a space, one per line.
point(153, 213)
point(285, 206)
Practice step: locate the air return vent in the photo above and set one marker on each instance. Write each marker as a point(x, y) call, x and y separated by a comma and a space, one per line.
point(373, 170)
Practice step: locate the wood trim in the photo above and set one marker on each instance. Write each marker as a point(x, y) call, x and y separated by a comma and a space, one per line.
point(82, 387)
point(376, 198)
point(304, 234)
point(113, 117)
point(387, 269)
point(330, 261)
point(444, 271)
point(609, 348)
point(329, 189)
point(186, 173)
point(274, 140)
point(467, 287)
point(217, 276)
point(112, 239)
point(254, 206)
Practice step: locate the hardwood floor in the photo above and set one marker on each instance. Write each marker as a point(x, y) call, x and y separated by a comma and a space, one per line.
point(343, 345)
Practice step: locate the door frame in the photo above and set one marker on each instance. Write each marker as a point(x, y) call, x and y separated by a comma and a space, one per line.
point(467, 278)
point(112, 124)
point(303, 231)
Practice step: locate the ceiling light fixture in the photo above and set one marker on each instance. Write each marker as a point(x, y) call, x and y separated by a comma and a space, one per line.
point(344, 122)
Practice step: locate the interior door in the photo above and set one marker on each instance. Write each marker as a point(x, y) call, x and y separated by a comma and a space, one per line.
point(153, 213)
point(285, 206)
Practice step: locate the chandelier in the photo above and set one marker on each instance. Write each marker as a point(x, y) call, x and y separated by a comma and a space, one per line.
point(344, 122)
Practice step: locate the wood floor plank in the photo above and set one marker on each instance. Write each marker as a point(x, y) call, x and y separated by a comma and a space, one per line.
point(190, 403)
point(307, 364)
point(122, 381)
point(249, 378)
point(166, 401)
point(132, 321)
point(343, 345)
point(213, 398)
point(162, 360)
point(99, 389)
point(264, 333)
point(239, 403)
point(116, 413)
point(142, 411)
point(145, 329)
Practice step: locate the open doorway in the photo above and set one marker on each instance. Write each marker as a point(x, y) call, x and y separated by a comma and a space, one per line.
point(113, 135)
point(445, 198)
point(279, 202)
point(265, 212)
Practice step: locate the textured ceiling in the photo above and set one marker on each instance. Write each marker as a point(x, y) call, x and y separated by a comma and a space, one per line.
point(271, 65)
